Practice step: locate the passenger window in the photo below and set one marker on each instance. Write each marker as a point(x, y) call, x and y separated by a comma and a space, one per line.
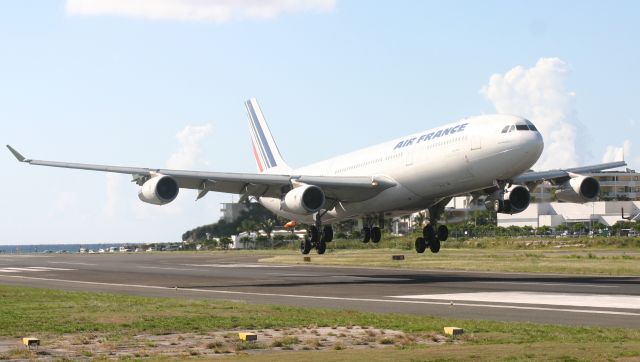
point(505, 129)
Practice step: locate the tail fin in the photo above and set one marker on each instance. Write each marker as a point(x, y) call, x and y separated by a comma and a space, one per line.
point(265, 150)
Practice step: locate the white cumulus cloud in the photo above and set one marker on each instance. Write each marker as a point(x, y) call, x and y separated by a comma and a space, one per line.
point(196, 10)
point(614, 153)
point(190, 138)
point(539, 94)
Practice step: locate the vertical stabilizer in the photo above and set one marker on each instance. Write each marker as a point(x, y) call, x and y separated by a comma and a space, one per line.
point(264, 148)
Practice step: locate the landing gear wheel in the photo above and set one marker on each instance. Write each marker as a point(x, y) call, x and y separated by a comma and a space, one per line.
point(314, 234)
point(365, 235)
point(498, 205)
point(429, 233)
point(321, 247)
point(376, 234)
point(434, 246)
point(421, 245)
point(443, 233)
point(327, 234)
point(305, 245)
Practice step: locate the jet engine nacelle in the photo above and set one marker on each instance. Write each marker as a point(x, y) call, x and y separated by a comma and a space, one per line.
point(159, 190)
point(305, 199)
point(515, 199)
point(579, 189)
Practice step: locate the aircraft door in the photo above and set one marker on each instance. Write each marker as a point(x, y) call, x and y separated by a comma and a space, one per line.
point(476, 142)
point(408, 157)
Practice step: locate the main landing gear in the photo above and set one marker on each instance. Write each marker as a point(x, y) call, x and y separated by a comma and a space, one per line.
point(373, 234)
point(431, 237)
point(316, 239)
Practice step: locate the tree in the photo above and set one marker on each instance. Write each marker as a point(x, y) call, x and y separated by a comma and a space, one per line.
point(420, 219)
point(267, 226)
point(578, 228)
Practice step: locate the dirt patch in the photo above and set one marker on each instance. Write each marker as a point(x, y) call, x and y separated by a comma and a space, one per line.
point(215, 343)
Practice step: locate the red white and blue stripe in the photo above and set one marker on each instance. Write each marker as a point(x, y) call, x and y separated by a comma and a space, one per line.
point(264, 149)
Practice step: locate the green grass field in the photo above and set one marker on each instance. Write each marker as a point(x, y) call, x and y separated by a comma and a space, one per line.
point(585, 256)
point(570, 261)
point(52, 314)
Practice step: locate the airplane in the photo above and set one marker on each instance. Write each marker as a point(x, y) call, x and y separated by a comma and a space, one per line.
point(487, 156)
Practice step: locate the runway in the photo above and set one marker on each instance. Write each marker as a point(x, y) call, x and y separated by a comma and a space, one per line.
point(558, 299)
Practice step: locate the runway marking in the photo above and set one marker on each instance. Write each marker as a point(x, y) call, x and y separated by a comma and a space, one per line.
point(537, 298)
point(555, 284)
point(295, 275)
point(372, 279)
point(373, 300)
point(30, 269)
point(168, 268)
point(240, 265)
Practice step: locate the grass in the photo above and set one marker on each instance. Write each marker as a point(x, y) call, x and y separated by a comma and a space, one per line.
point(509, 255)
point(44, 312)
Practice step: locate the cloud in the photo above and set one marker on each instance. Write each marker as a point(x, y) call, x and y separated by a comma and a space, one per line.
point(189, 138)
point(120, 202)
point(539, 94)
point(196, 10)
point(614, 153)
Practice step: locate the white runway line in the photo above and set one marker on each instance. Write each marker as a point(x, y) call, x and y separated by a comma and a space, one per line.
point(560, 299)
point(370, 279)
point(168, 268)
point(552, 284)
point(240, 265)
point(31, 269)
point(318, 297)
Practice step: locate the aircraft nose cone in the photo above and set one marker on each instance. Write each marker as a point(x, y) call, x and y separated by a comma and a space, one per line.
point(538, 143)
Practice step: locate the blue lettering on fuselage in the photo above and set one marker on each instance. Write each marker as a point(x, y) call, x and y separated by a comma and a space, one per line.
point(432, 135)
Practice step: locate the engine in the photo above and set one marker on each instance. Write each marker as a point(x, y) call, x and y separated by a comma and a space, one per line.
point(159, 190)
point(579, 189)
point(305, 199)
point(515, 199)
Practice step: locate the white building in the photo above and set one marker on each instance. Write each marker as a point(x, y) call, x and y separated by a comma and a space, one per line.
point(557, 213)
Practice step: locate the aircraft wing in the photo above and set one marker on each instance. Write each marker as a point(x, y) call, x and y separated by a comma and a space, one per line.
point(562, 174)
point(338, 188)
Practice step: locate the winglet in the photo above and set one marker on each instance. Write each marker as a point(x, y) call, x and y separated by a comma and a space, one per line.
point(17, 154)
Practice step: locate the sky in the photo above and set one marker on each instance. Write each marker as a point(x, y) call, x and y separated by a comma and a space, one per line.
point(161, 83)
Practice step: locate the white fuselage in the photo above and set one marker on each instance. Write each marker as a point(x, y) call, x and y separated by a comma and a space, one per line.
point(429, 166)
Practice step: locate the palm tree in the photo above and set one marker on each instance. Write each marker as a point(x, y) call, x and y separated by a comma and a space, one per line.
point(420, 219)
point(267, 226)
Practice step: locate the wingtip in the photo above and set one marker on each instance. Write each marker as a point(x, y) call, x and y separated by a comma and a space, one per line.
point(17, 154)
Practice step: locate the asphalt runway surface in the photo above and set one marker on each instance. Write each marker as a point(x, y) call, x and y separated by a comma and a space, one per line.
point(541, 298)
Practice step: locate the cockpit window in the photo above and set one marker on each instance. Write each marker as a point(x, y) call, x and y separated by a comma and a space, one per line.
point(526, 126)
point(531, 126)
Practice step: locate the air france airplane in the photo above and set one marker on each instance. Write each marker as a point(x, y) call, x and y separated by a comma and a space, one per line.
point(487, 156)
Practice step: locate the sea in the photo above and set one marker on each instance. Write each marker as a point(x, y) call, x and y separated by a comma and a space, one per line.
point(59, 248)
